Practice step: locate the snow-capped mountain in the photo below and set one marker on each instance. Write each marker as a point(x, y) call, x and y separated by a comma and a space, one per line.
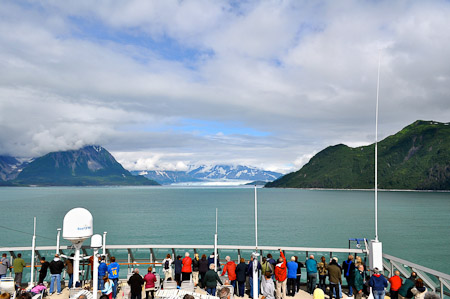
point(210, 173)
point(10, 167)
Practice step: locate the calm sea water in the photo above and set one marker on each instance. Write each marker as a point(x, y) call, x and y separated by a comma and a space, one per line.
point(412, 225)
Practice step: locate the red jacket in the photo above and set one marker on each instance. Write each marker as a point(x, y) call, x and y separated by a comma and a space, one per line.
point(187, 265)
point(280, 269)
point(396, 282)
point(230, 267)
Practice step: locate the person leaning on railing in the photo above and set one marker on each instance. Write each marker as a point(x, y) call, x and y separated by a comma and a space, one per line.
point(378, 283)
point(408, 284)
point(396, 283)
point(419, 290)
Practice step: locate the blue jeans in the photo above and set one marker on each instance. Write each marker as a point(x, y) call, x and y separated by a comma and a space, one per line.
point(335, 290)
point(350, 290)
point(116, 281)
point(101, 284)
point(56, 277)
point(241, 285)
point(70, 281)
point(251, 286)
point(233, 283)
point(312, 278)
point(211, 291)
point(340, 292)
point(378, 294)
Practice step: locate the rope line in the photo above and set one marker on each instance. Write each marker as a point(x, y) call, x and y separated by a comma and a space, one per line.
point(18, 231)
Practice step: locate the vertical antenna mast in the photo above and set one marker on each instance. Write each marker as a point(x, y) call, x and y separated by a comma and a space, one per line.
point(376, 151)
point(215, 245)
point(256, 220)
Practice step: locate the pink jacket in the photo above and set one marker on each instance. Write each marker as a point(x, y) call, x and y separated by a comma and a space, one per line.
point(150, 279)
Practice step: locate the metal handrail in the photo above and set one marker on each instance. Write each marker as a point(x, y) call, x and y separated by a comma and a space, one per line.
point(422, 272)
point(159, 246)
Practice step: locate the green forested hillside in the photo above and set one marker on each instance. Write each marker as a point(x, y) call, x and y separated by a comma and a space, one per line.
point(417, 157)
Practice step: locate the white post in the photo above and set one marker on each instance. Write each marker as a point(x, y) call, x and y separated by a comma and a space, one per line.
point(375, 246)
point(255, 254)
point(76, 263)
point(215, 246)
point(57, 240)
point(95, 272)
point(96, 243)
point(104, 243)
point(256, 220)
point(33, 248)
point(376, 152)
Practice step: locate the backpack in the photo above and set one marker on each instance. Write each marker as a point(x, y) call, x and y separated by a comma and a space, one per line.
point(166, 265)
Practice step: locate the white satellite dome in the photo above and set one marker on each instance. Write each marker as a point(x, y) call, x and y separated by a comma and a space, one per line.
point(78, 225)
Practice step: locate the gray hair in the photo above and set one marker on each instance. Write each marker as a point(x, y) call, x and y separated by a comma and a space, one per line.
point(224, 293)
point(211, 266)
point(136, 271)
point(186, 254)
point(431, 295)
point(227, 258)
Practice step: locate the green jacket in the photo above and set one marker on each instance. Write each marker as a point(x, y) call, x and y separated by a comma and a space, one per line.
point(211, 279)
point(405, 289)
point(18, 265)
point(359, 280)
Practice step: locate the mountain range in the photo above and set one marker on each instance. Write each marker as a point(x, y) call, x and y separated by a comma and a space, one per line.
point(210, 173)
point(416, 158)
point(88, 166)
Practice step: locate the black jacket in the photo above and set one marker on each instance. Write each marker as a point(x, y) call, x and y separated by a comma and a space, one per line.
point(195, 265)
point(241, 271)
point(136, 281)
point(56, 267)
point(44, 267)
point(203, 265)
point(348, 267)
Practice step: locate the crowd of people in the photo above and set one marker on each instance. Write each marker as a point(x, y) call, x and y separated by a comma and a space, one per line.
point(281, 278)
point(276, 278)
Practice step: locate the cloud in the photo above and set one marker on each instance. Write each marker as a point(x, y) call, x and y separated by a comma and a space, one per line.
point(287, 78)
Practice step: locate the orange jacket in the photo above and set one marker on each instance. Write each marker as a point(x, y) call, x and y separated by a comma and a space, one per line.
point(187, 265)
point(280, 269)
point(230, 267)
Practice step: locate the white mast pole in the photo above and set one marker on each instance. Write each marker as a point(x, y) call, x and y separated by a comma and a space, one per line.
point(57, 240)
point(375, 246)
point(215, 246)
point(376, 151)
point(256, 220)
point(104, 243)
point(255, 254)
point(33, 245)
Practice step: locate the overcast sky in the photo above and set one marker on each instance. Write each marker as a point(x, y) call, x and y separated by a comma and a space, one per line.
point(164, 84)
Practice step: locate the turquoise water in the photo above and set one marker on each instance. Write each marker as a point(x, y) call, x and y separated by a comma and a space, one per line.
point(412, 225)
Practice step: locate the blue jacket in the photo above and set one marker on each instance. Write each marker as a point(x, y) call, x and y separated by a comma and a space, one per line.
point(178, 265)
point(311, 266)
point(102, 269)
point(292, 269)
point(378, 282)
point(250, 268)
point(113, 270)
